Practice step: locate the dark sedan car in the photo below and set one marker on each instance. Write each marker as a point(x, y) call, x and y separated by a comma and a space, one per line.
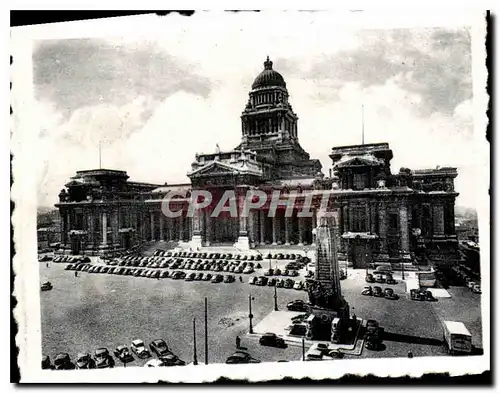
point(272, 340)
point(46, 364)
point(159, 347)
point(123, 353)
point(63, 362)
point(241, 357)
point(171, 359)
point(103, 359)
point(297, 305)
point(84, 361)
point(229, 279)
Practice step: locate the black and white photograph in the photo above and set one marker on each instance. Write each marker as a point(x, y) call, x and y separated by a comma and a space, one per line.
point(251, 195)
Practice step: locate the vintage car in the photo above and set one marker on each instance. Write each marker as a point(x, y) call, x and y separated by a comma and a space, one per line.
point(159, 347)
point(373, 342)
point(272, 340)
point(369, 278)
point(84, 361)
point(139, 348)
point(217, 278)
point(297, 305)
point(377, 292)
point(252, 280)
point(46, 286)
point(229, 279)
point(389, 294)
point(269, 272)
point(272, 282)
point(342, 274)
point(171, 359)
point(46, 364)
point(198, 277)
point(280, 283)
point(298, 285)
point(380, 279)
point(476, 288)
point(248, 270)
point(190, 277)
point(289, 283)
point(123, 353)
point(207, 277)
point(389, 279)
point(367, 291)
point(103, 359)
point(241, 357)
point(63, 362)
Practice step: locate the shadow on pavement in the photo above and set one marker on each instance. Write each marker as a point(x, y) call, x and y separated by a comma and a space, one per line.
point(404, 338)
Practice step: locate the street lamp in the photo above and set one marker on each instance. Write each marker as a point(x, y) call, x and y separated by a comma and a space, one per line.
point(250, 315)
point(195, 356)
point(275, 299)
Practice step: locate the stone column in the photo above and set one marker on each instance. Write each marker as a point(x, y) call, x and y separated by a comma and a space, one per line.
point(314, 223)
point(196, 225)
point(345, 218)
point(262, 221)
point(373, 218)
point(162, 220)
point(152, 216)
point(208, 228)
point(104, 232)
point(438, 219)
point(181, 228)
point(90, 228)
point(251, 228)
point(287, 231)
point(114, 227)
point(275, 229)
point(301, 231)
point(367, 217)
point(63, 228)
point(403, 223)
point(382, 229)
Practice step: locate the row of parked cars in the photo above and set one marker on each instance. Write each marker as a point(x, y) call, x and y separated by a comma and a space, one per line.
point(422, 295)
point(380, 278)
point(287, 283)
point(239, 267)
point(151, 273)
point(102, 357)
point(205, 255)
point(376, 291)
point(70, 259)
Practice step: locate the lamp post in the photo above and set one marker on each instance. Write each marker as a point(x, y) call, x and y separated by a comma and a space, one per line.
point(270, 267)
point(250, 315)
point(275, 299)
point(206, 330)
point(402, 271)
point(303, 349)
point(195, 356)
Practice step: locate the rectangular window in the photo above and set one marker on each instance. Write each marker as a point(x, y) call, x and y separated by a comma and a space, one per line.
point(359, 181)
point(359, 219)
point(393, 222)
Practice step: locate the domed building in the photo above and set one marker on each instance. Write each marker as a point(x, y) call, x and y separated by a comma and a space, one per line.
point(380, 217)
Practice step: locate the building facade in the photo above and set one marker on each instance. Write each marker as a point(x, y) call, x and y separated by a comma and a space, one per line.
point(408, 216)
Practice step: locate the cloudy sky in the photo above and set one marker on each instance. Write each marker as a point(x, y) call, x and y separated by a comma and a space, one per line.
point(155, 100)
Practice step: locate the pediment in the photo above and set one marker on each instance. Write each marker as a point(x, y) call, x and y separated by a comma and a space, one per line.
point(358, 161)
point(215, 169)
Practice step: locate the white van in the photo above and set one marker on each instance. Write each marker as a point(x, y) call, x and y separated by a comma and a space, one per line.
point(457, 337)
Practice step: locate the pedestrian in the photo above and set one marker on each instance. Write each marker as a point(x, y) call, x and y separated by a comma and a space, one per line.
point(241, 279)
point(47, 264)
point(76, 273)
point(354, 318)
point(238, 342)
point(410, 355)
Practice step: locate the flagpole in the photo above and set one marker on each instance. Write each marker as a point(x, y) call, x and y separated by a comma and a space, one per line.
point(100, 167)
point(362, 124)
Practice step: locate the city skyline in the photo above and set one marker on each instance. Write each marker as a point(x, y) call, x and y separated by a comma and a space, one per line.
point(155, 103)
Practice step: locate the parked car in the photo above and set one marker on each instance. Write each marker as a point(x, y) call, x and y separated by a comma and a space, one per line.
point(377, 292)
point(139, 348)
point(159, 347)
point(389, 294)
point(367, 291)
point(297, 305)
point(380, 279)
point(229, 279)
point(271, 282)
point(298, 285)
point(269, 272)
point(373, 342)
point(62, 361)
point(280, 283)
point(198, 277)
point(123, 353)
point(289, 283)
point(171, 359)
point(252, 280)
point(46, 363)
point(272, 340)
point(164, 274)
point(84, 361)
point(217, 278)
point(323, 348)
point(261, 281)
point(241, 357)
point(190, 277)
point(103, 359)
point(476, 288)
point(342, 274)
point(46, 286)
point(207, 277)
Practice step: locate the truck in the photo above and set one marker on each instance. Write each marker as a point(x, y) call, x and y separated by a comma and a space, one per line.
point(457, 337)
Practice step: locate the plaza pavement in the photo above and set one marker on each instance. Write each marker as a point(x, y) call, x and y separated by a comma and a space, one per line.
point(86, 312)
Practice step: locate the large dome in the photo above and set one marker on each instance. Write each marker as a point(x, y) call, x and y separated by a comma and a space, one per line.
point(268, 77)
